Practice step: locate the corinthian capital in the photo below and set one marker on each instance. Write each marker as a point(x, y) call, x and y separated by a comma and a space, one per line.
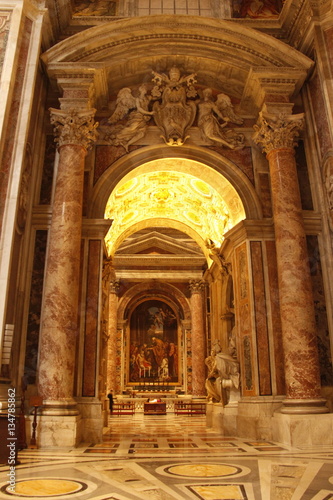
point(196, 286)
point(277, 131)
point(74, 127)
point(114, 286)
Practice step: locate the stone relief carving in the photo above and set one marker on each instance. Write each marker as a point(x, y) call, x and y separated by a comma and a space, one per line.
point(328, 186)
point(176, 113)
point(173, 103)
point(138, 116)
point(211, 112)
point(223, 375)
point(223, 265)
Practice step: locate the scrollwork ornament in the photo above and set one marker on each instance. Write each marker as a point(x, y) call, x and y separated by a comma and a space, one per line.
point(278, 131)
point(74, 127)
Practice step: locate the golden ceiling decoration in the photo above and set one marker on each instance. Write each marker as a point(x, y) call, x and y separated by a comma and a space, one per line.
point(181, 199)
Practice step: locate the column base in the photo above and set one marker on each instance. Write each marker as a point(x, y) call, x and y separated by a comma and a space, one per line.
point(254, 418)
point(63, 407)
point(304, 406)
point(303, 431)
point(56, 431)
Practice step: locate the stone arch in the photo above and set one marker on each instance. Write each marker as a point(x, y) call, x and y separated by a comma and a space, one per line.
point(209, 160)
point(133, 297)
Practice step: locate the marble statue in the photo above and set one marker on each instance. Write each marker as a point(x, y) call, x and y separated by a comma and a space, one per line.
point(214, 116)
point(176, 113)
point(223, 375)
point(135, 110)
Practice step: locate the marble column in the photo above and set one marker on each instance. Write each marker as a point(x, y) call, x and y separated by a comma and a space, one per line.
point(75, 131)
point(198, 338)
point(277, 134)
point(112, 336)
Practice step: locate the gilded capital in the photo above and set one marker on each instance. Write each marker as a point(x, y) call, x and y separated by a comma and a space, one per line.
point(114, 286)
point(74, 127)
point(196, 286)
point(277, 131)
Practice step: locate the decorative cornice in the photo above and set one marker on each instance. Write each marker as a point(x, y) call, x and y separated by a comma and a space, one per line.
point(277, 131)
point(74, 127)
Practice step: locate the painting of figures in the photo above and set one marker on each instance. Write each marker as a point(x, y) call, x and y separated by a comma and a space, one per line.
point(153, 343)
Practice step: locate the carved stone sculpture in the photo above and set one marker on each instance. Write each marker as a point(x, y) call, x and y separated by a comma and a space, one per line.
point(176, 113)
point(211, 112)
point(223, 374)
point(135, 110)
point(176, 102)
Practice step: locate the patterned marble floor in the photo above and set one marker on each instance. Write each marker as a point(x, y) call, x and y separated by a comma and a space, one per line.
point(167, 457)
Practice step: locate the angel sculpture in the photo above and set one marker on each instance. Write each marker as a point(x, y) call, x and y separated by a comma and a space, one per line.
point(208, 120)
point(135, 127)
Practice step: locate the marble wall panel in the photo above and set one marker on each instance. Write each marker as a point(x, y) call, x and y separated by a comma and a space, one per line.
point(91, 319)
point(261, 326)
point(329, 41)
point(9, 142)
point(323, 338)
point(47, 172)
point(242, 158)
point(105, 156)
point(320, 116)
point(244, 321)
point(265, 194)
point(303, 177)
point(273, 290)
point(35, 305)
point(4, 29)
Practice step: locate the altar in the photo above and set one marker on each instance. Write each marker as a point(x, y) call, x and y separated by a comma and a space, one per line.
point(154, 407)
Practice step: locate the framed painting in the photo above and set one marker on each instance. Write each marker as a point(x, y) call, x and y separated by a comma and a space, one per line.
point(153, 343)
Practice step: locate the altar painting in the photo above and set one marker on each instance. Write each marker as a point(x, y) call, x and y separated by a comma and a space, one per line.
point(153, 343)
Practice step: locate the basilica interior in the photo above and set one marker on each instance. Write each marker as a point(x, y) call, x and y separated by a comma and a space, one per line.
point(166, 225)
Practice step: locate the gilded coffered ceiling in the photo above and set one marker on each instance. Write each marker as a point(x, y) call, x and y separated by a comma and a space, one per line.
point(204, 209)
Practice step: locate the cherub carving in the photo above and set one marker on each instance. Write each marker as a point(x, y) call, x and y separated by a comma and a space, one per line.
point(211, 112)
point(138, 116)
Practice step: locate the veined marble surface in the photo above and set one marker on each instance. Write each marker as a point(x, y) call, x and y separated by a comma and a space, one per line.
point(167, 457)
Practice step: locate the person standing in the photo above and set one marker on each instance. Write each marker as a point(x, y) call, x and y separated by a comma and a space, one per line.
point(110, 396)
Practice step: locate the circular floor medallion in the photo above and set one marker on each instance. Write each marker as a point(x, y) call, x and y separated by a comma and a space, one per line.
point(203, 470)
point(44, 488)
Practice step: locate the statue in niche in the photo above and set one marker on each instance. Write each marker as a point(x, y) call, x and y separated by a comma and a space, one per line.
point(223, 375)
point(135, 110)
point(175, 114)
point(211, 112)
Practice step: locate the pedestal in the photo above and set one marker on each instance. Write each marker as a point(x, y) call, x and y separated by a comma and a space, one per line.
point(59, 431)
point(303, 431)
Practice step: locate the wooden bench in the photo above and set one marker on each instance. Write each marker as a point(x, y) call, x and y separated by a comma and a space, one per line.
point(190, 408)
point(127, 408)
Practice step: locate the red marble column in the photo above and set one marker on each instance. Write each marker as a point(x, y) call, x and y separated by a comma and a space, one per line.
point(59, 322)
point(112, 336)
point(198, 338)
point(277, 135)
